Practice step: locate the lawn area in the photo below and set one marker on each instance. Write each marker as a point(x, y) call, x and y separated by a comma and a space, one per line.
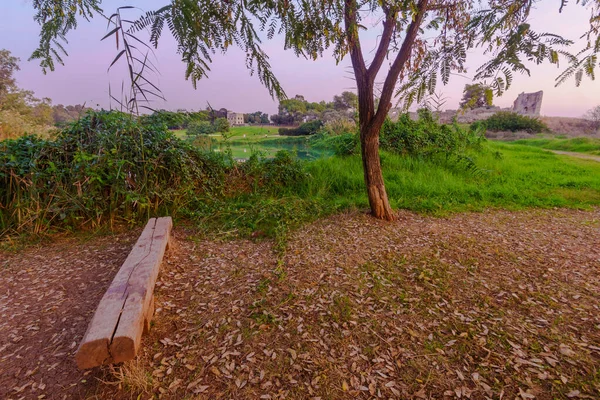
point(578, 145)
point(249, 130)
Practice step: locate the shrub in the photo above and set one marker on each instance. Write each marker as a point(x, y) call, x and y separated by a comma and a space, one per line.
point(172, 120)
point(342, 145)
point(221, 125)
point(284, 170)
point(513, 122)
point(106, 167)
point(426, 136)
point(340, 127)
point(196, 128)
point(109, 168)
point(307, 128)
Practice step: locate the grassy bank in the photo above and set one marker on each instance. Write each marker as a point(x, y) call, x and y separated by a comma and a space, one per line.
point(578, 145)
point(505, 176)
point(106, 170)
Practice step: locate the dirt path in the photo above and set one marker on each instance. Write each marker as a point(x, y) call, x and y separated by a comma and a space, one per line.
point(497, 305)
point(576, 155)
point(47, 297)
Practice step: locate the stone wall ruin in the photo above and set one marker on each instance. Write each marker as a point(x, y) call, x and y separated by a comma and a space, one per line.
point(528, 103)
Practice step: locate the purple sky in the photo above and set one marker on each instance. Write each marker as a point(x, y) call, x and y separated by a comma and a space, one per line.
point(84, 78)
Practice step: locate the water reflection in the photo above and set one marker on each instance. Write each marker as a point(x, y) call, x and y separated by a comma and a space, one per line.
point(243, 151)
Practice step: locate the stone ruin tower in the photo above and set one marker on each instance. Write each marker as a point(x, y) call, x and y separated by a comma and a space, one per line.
point(528, 103)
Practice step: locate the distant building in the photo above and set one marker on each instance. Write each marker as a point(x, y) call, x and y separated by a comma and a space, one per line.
point(235, 118)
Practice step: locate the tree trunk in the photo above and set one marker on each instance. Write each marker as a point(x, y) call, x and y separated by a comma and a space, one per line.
point(378, 200)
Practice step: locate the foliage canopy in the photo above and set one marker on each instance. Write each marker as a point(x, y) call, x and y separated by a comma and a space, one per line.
point(309, 27)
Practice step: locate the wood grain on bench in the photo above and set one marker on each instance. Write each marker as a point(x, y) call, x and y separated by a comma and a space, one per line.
point(124, 313)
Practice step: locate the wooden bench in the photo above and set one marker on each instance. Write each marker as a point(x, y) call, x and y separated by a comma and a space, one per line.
point(124, 313)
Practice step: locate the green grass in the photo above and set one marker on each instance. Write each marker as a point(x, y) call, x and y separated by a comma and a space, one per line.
point(578, 145)
point(508, 176)
point(520, 177)
point(253, 130)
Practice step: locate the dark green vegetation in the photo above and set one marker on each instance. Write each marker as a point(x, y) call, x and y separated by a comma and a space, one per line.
point(297, 109)
point(306, 129)
point(578, 145)
point(109, 169)
point(105, 168)
point(175, 119)
point(513, 122)
point(427, 137)
point(220, 125)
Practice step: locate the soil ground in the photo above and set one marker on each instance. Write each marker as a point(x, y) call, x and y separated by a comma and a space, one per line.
point(491, 305)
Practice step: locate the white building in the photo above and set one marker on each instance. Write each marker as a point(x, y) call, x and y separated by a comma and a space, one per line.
point(235, 118)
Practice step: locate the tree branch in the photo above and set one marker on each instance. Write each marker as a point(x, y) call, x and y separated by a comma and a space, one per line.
point(386, 36)
point(401, 58)
point(437, 7)
point(350, 20)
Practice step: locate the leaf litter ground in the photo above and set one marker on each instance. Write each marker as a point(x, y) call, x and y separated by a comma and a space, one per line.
point(498, 305)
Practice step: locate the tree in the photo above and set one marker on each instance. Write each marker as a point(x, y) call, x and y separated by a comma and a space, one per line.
point(594, 116)
point(424, 40)
point(345, 101)
point(257, 117)
point(200, 128)
point(62, 115)
point(476, 95)
point(8, 66)
point(20, 111)
point(221, 125)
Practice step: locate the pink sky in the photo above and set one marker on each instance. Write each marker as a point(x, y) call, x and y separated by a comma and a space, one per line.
point(84, 78)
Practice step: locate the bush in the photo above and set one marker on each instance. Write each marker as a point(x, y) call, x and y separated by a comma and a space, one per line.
point(108, 168)
point(284, 170)
point(104, 168)
point(196, 128)
point(307, 128)
point(340, 127)
point(513, 122)
point(221, 125)
point(172, 120)
point(426, 136)
point(342, 145)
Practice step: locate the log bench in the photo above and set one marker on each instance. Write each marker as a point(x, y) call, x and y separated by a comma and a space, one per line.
point(124, 313)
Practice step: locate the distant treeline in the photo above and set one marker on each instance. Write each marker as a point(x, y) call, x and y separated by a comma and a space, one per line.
point(297, 110)
point(181, 119)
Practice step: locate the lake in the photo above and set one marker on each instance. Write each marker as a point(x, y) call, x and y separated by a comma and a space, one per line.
point(268, 149)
